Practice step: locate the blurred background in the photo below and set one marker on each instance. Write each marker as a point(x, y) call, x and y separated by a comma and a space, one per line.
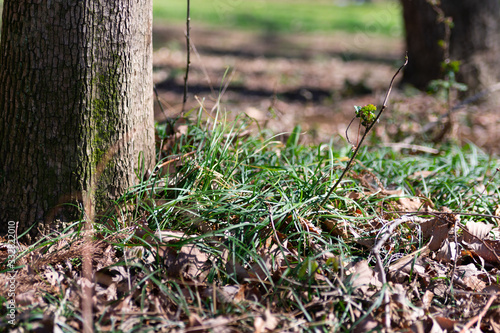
point(280, 62)
point(289, 62)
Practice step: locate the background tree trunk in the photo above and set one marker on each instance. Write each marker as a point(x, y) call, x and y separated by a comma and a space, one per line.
point(76, 107)
point(475, 41)
point(422, 36)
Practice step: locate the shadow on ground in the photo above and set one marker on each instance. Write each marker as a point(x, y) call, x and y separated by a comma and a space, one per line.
point(312, 80)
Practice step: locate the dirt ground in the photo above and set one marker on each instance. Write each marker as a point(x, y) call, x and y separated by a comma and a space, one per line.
point(311, 80)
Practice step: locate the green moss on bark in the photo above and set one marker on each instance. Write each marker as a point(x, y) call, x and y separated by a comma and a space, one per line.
point(106, 104)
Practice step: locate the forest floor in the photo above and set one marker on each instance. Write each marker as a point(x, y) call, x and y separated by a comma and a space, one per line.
point(309, 79)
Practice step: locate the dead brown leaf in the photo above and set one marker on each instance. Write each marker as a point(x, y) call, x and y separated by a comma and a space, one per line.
point(437, 230)
point(189, 260)
point(475, 239)
point(265, 323)
point(447, 252)
point(366, 325)
point(486, 249)
point(427, 299)
point(421, 174)
point(448, 325)
point(494, 320)
point(308, 226)
point(407, 265)
point(479, 230)
point(218, 324)
point(409, 204)
point(364, 278)
point(469, 274)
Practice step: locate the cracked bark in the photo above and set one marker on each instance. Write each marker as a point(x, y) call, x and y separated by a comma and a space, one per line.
point(75, 105)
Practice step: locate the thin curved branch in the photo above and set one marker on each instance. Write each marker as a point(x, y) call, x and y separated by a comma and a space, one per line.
point(384, 105)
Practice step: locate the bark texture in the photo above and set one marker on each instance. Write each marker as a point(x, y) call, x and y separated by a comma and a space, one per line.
point(475, 41)
point(422, 36)
point(75, 105)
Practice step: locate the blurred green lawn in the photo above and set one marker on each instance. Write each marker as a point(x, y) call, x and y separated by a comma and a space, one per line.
point(380, 17)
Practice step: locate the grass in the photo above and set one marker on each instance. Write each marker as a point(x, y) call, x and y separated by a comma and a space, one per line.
point(382, 18)
point(280, 16)
point(247, 215)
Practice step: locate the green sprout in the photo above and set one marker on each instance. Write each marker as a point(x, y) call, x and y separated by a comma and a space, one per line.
point(366, 114)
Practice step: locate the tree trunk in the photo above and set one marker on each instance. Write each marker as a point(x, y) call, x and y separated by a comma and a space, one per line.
point(475, 41)
point(422, 36)
point(76, 107)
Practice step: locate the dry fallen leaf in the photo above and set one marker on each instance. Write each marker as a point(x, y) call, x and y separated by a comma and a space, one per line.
point(265, 323)
point(486, 249)
point(409, 265)
point(366, 325)
point(475, 239)
point(412, 204)
point(468, 273)
point(228, 294)
point(447, 252)
point(494, 319)
point(419, 175)
point(218, 324)
point(363, 277)
point(26, 298)
point(189, 260)
point(437, 230)
point(427, 299)
point(446, 324)
point(476, 229)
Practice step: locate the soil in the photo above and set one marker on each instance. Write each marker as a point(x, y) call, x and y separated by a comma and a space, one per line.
point(313, 80)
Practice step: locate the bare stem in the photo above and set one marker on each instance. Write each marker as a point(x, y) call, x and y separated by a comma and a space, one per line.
point(188, 56)
point(384, 105)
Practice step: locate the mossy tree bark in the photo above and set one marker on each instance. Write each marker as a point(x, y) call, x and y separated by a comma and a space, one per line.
point(76, 107)
point(475, 41)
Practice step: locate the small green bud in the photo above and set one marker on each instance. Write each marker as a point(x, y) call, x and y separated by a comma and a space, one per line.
point(366, 114)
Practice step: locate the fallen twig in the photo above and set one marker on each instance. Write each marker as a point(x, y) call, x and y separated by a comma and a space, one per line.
point(376, 252)
point(480, 316)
